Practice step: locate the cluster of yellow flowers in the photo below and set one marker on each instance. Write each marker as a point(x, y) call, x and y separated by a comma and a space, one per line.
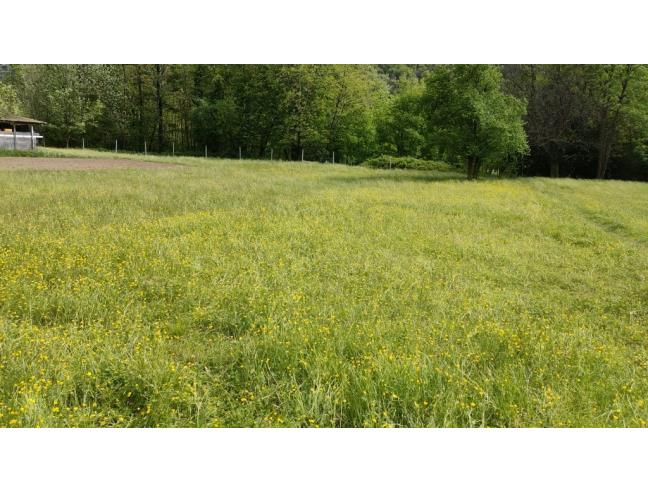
point(259, 295)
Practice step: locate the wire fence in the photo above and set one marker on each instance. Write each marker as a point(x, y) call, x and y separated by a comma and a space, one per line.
point(282, 153)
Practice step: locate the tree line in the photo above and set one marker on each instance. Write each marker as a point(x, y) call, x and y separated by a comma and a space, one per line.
point(587, 121)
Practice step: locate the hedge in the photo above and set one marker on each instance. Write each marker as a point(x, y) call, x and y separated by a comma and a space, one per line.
point(390, 162)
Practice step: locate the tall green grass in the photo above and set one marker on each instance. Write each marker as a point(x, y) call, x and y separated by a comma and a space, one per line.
point(242, 293)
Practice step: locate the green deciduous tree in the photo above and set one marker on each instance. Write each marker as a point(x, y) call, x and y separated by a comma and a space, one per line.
point(556, 110)
point(607, 93)
point(470, 117)
point(579, 114)
point(353, 96)
point(401, 126)
point(9, 101)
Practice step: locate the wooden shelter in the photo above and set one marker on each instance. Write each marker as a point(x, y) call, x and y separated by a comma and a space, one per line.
point(17, 132)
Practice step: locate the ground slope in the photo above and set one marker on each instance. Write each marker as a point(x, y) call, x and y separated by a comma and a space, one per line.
point(273, 294)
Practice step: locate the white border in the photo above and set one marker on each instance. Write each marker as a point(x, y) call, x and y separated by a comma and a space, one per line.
point(320, 459)
point(318, 31)
point(336, 31)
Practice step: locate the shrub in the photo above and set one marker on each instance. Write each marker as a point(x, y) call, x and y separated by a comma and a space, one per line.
point(390, 162)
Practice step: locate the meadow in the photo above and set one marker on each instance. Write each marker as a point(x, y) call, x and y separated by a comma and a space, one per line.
point(257, 293)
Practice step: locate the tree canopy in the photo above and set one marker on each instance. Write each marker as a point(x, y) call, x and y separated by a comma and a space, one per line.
point(584, 121)
point(9, 101)
point(470, 117)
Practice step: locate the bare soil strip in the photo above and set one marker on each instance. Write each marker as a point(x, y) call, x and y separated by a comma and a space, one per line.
point(65, 164)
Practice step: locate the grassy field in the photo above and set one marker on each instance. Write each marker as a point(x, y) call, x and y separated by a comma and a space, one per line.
point(248, 293)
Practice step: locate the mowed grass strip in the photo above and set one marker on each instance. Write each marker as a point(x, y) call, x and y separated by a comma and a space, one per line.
point(243, 293)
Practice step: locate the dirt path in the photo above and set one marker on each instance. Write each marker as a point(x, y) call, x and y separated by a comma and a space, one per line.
point(54, 163)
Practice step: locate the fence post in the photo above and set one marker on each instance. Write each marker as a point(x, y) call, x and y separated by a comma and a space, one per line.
point(333, 157)
point(144, 147)
point(205, 152)
point(240, 154)
point(271, 153)
point(115, 145)
point(173, 149)
point(83, 143)
point(302, 154)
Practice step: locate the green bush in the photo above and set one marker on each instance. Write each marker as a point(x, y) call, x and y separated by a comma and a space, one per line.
point(390, 162)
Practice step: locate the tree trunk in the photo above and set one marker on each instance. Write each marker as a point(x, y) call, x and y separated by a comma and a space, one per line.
point(160, 106)
point(296, 147)
point(605, 149)
point(473, 167)
point(140, 103)
point(555, 168)
point(609, 122)
point(554, 154)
